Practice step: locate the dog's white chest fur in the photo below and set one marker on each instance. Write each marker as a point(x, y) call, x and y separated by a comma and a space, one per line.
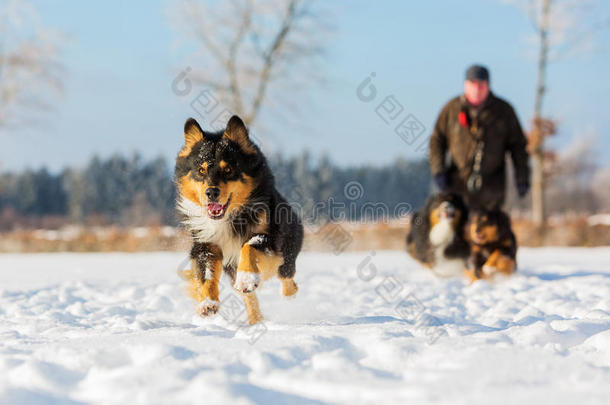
point(207, 230)
point(441, 235)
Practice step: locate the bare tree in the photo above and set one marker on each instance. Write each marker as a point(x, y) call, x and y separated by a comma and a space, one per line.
point(569, 187)
point(247, 47)
point(30, 72)
point(537, 149)
point(562, 27)
point(601, 189)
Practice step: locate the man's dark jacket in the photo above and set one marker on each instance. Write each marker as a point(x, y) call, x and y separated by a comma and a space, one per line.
point(497, 125)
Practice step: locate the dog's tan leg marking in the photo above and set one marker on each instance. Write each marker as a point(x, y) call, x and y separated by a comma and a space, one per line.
point(489, 268)
point(254, 267)
point(205, 292)
point(268, 264)
point(289, 287)
point(499, 263)
point(210, 286)
point(492, 260)
point(247, 277)
point(247, 259)
point(254, 312)
point(505, 265)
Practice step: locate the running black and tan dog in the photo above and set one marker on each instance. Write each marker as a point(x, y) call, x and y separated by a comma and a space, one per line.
point(436, 238)
point(493, 245)
point(239, 222)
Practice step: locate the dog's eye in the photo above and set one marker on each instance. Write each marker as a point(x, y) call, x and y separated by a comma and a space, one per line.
point(228, 170)
point(202, 171)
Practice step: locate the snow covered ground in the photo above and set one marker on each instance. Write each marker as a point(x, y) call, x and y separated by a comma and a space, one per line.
point(364, 328)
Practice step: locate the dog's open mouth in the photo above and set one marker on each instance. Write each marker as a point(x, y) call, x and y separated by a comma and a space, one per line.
point(478, 239)
point(217, 210)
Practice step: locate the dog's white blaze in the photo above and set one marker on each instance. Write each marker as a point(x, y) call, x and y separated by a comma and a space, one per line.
point(208, 230)
point(441, 235)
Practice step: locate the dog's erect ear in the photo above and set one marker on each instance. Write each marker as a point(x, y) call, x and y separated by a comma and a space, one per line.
point(192, 134)
point(237, 132)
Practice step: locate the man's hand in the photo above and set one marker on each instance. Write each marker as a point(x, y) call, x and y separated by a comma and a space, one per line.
point(442, 181)
point(522, 189)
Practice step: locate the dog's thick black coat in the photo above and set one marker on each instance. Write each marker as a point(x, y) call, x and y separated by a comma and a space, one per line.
point(229, 203)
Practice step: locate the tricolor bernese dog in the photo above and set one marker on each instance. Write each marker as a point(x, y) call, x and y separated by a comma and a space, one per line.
point(437, 235)
point(493, 245)
point(239, 222)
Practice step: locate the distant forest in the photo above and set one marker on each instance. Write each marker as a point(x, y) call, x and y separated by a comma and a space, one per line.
point(130, 191)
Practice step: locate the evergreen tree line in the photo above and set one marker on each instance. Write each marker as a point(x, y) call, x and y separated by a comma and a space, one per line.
point(130, 191)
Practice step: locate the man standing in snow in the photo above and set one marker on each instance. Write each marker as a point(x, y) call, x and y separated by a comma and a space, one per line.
point(468, 147)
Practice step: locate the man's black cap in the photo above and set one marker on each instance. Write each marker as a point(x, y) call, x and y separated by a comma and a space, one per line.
point(477, 72)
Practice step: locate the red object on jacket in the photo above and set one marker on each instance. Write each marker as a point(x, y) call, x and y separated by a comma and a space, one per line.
point(463, 119)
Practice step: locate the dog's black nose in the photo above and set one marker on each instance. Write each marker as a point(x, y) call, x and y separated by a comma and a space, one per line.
point(212, 193)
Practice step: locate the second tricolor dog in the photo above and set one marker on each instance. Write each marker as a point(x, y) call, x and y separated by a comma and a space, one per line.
point(436, 238)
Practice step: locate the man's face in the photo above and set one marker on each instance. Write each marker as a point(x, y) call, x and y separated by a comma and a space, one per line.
point(476, 91)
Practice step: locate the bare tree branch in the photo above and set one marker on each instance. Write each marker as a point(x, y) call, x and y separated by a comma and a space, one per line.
point(30, 71)
point(269, 60)
point(232, 57)
point(249, 46)
point(578, 38)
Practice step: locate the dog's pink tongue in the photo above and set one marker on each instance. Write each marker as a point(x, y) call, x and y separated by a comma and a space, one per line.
point(215, 208)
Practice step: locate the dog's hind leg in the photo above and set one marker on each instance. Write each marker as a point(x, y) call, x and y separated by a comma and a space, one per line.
point(286, 275)
point(289, 287)
point(254, 312)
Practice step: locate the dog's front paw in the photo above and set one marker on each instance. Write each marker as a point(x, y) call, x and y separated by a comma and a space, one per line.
point(469, 273)
point(246, 282)
point(208, 307)
point(489, 270)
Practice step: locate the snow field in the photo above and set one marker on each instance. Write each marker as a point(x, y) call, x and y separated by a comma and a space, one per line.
point(368, 327)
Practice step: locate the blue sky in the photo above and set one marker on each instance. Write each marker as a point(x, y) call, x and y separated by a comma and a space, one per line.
point(121, 59)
